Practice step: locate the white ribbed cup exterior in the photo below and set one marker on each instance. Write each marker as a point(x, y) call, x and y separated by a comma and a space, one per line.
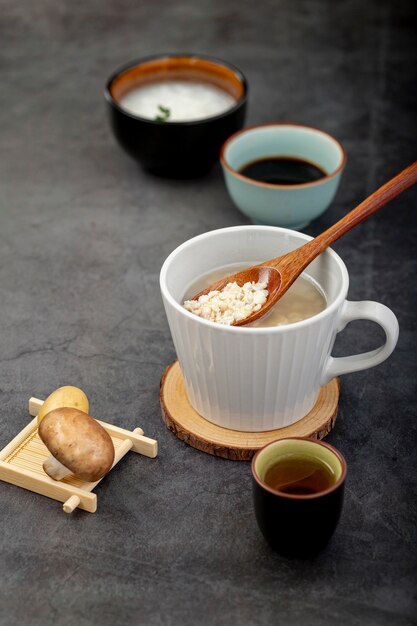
point(253, 379)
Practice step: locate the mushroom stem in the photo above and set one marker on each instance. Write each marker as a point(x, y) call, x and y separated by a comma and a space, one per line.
point(55, 469)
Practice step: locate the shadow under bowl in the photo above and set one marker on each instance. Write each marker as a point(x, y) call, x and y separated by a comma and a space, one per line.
point(177, 149)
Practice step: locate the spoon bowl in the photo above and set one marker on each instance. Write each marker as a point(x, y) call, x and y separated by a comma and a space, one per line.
point(280, 273)
point(256, 274)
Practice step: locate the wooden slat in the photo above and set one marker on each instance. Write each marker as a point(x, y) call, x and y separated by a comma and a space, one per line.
point(140, 444)
point(19, 439)
point(46, 486)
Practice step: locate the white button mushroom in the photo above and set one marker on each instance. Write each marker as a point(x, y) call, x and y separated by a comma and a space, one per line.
point(78, 445)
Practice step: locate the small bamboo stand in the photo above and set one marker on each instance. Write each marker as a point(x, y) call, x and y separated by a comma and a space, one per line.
point(21, 463)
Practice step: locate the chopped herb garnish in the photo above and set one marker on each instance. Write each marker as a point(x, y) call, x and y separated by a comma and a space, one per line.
point(164, 114)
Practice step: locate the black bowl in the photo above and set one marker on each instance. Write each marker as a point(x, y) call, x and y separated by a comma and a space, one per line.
point(176, 149)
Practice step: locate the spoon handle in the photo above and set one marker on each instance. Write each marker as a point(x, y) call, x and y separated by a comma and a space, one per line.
point(298, 259)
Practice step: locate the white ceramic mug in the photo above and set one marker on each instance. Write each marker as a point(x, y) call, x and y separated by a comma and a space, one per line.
point(258, 379)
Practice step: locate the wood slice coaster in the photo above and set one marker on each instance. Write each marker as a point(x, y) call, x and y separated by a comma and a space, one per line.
point(191, 427)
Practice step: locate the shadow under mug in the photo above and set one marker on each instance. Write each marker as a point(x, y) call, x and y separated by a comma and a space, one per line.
point(259, 379)
point(292, 524)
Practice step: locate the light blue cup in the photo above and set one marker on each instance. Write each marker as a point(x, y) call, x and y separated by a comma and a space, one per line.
point(290, 206)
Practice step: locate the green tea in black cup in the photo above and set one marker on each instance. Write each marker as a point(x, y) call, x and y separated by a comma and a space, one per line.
point(298, 487)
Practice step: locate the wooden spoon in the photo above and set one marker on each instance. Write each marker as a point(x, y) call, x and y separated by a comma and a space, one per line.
point(280, 273)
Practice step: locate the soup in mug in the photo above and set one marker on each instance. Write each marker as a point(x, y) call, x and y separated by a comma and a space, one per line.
point(302, 300)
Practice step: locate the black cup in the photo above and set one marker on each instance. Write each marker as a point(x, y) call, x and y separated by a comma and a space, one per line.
point(176, 149)
point(293, 524)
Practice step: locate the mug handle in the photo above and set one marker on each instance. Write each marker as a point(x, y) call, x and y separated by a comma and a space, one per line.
point(366, 310)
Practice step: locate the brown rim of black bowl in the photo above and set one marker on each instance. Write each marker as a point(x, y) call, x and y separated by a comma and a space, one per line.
point(247, 179)
point(131, 64)
point(291, 496)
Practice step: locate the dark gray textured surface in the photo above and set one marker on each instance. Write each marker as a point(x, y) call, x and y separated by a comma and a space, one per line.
point(83, 234)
